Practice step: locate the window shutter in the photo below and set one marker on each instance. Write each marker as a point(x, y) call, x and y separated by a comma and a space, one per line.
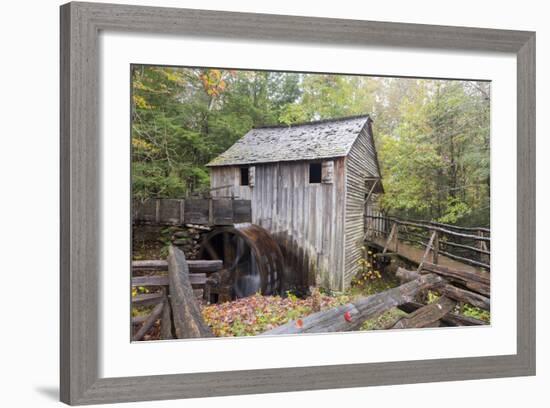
point(251, 176)
point(328, 172)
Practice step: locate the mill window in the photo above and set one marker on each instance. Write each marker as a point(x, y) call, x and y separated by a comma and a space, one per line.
point(315, 171)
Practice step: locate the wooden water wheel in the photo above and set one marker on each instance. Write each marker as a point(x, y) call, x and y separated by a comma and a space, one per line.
point(252, 260)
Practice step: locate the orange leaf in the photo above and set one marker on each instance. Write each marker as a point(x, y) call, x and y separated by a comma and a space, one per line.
point(299, 323)
point(347, 316)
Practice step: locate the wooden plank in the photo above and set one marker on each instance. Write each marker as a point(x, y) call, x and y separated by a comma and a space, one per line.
point(429, 247)
point(450, 291)
point(405, 275)
point(252, 176)
point(426, 315)
point(222, 212)
point(139, 319)
point(169, 211)
point(482, 249)
point(195, 266)
point(163, 280)
point(150, 265)
point(462, 275)
point(166, 328)
point(144, 211)
point(390, 237)
point(197, 211)
point(188, 321)
point(327, 172)
point(439, 229)
point(465, 296)
point(155, 280)
point(431, 226)
point(147, 299)
point(149, 322)
point(352, 315)
point(242, 211)
point(466, 260)
point(450, 319)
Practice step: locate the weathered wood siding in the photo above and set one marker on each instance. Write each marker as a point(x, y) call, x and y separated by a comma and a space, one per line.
point(360, 165)
point(306, 219)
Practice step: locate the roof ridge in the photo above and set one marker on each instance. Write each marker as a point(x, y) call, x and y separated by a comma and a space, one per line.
point(315, 122)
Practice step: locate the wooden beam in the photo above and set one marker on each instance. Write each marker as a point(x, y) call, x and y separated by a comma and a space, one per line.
point(390, 237)
point(187, 316)
point(149, 322)
point(195, 266)
point(166, 328)
point(466, 260)
point(427, 251)
point(462, 275)
point(163, 280)
point(376, 181)
point(352, 315)
point(466, 296)
point(426, 315)
point(450, 319)
point(147, 299)
point(449, 291)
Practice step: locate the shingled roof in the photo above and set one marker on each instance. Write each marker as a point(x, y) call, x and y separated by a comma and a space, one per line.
point(307, 141)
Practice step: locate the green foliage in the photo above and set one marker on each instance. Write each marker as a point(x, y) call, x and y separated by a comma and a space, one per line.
point(435, 151)
point(384, 321)
point(432, 136)
point(477, 313)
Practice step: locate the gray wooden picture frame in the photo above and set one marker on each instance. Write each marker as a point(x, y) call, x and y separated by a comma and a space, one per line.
point(80, 233)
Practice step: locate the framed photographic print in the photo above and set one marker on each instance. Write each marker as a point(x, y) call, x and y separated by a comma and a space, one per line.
point(248, 200)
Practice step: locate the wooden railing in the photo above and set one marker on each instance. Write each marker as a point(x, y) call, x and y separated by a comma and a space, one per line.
point(175, 284)
point(196, 211)
point(470, 245)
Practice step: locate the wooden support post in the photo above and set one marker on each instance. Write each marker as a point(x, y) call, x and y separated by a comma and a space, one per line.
point(436, 247)
point(210, 212)
point(396, 238)
point(188, 321)
point(166, 329)
point(482, 245)
point(390, 237)
point(182, 212)
point(429, 248)
point(157, 211)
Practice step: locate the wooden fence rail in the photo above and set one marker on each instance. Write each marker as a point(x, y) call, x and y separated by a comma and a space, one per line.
point(469, 245)
point(174, 302)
